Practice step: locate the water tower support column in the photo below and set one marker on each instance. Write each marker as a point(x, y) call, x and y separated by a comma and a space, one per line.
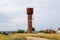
point(29, 23)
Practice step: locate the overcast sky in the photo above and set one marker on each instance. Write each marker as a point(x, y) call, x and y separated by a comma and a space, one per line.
point(13, 14)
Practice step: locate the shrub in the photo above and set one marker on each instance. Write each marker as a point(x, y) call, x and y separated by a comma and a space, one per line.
point(13, 32)
point(20, 31)
point(4, 33)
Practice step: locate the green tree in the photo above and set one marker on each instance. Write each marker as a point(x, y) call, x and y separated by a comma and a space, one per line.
point(20, 31)
point(33, 29)
point(4, 33)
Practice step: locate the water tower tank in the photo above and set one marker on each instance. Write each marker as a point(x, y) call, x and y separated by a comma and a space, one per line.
point(29, 10)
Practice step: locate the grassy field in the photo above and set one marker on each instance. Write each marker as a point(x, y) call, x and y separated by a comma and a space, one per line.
point(12, 36)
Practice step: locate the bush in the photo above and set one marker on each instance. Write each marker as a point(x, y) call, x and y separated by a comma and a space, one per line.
point(4, 33)
point(41, 31)
point(14, 32)
point(20, 31)
point(33, 29)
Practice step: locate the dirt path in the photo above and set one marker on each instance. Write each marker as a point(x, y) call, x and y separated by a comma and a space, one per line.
point(35, 38)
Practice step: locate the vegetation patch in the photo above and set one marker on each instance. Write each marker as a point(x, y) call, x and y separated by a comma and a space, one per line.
point(19, 36)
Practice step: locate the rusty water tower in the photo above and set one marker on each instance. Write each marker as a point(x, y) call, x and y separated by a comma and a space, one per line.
point(29, 14)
